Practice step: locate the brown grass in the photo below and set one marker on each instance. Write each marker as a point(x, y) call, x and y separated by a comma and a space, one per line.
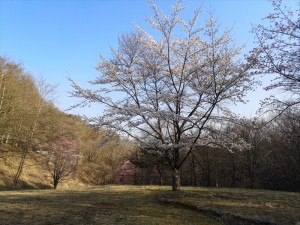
point(98, 205)
point(130, 204)
point(33, 175)
point(280, 207)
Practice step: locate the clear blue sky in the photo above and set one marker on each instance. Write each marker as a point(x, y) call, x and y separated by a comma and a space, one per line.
point(60, 38)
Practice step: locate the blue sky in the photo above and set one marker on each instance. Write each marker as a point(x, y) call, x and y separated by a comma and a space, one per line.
point(56, 39)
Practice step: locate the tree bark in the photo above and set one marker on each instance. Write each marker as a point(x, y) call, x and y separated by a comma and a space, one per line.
point(176, 180)
point(55, 183)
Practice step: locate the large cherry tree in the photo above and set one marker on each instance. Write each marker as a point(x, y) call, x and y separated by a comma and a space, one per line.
point(166, 91)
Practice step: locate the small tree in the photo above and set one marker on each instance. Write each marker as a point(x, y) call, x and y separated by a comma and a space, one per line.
point(62, 158)
point(165, 93)
point(278, 53)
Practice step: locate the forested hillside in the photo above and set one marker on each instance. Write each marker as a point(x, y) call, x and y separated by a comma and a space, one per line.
point(42, 146)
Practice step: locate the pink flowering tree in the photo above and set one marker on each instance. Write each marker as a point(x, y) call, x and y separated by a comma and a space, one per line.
point(61, 158)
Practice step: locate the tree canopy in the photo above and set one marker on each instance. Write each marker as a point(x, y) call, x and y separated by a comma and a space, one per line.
point(165, 91)
point(278, 52)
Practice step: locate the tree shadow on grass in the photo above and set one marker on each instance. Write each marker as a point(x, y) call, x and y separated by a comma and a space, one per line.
point(91, 206)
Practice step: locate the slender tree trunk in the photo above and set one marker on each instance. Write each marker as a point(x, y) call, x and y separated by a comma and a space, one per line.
point(194, 176)
point(2, 98)
point(252, 179)
point(176, 180)
point(234, 173)
point(161, 180)
point(20, 168)
point(1, 79)
point(217, 178)
point(26, 149)
point(7, 139)
point(160, 173)
point(3, 90)
point(208, 175)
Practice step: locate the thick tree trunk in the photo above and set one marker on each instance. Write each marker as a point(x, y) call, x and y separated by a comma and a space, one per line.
point(56, 179)
point(55, 183)
point(176, 180)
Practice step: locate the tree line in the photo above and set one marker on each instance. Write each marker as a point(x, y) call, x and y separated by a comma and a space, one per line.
point(272, 161)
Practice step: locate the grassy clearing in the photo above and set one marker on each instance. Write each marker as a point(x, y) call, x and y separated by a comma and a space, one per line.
point(281, 207)
point(139, 205)
point(99, 205)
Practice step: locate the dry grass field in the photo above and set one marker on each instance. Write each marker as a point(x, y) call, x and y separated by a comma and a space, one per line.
point(99, 205)
point(140, 205)
point(279, 207)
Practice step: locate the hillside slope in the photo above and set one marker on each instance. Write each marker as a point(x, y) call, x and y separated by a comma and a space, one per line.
point(34, 176)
